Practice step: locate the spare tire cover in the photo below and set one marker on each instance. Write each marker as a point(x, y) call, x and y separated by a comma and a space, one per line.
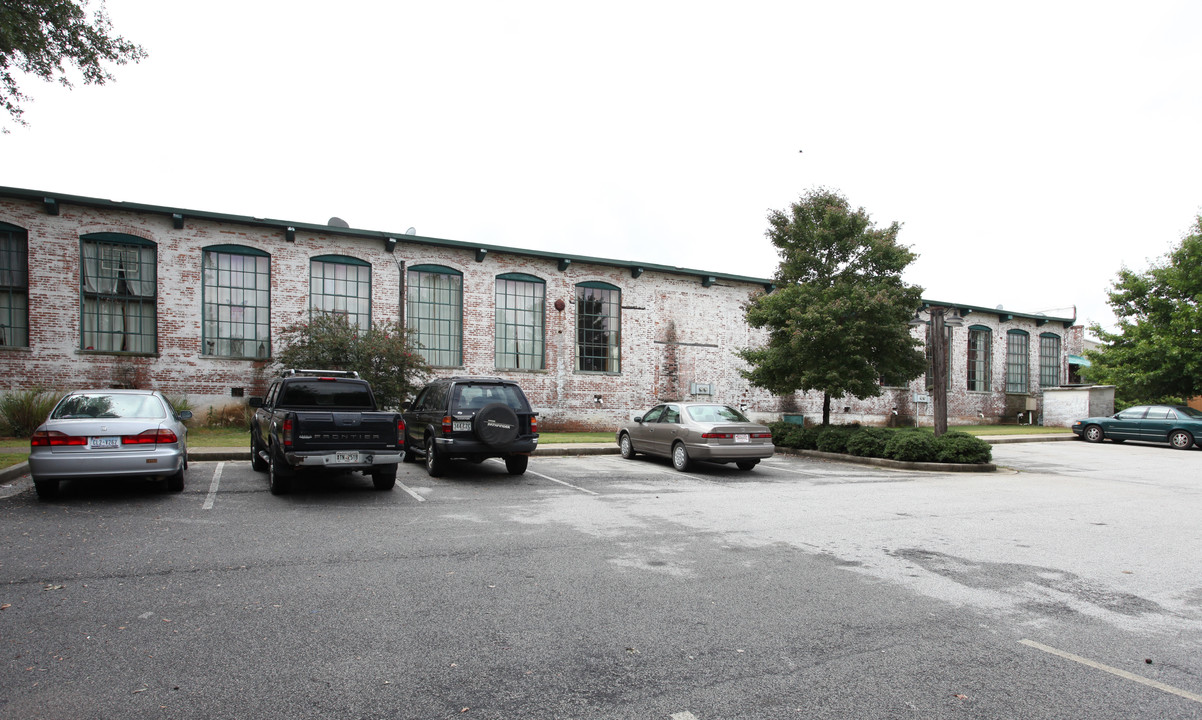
point(496, 424)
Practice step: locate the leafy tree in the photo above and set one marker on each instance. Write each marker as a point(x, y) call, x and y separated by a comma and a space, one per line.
point(384, 355)
point(38, 36)
point(1156, 354)
point(839, 319)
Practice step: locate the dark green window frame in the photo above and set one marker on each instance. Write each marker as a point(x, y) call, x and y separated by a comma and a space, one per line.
point(520, 326)
point(236, 302)
point(341, 285)
point(1018, 361)
point(14, 286)
point(434, 311)
point(1049, 360)
point(979, 367)
point(598, 328)
point(118, 294)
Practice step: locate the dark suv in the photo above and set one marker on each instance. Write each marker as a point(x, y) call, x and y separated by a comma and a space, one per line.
point(473, 418)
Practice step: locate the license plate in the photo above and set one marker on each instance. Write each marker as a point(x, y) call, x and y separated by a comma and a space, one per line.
point(461, 425)
point(104, 442)
point(346, 457)
point(742, 437)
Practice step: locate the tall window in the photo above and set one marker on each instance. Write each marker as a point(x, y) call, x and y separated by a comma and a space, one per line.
point(979, 339)
point(1017, 361)
point(236, 302)
point(341, 286)
point(118, 287)
point(598, 328)
point(434, 309)
point(14, 286)
point(520, 321)
point(1049, 360)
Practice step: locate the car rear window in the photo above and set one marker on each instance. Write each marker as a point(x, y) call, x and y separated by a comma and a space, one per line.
point(105, 405)
point(716, 413)
point(473, 396)
point(326, 394)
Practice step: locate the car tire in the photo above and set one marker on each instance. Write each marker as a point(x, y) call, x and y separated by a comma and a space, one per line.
point(278, 479)
point(257, 463)
point(495, 425)
point(626, 446)
point(46, 489)
point(680, 457)
point(175, 483)
point(384, 479)
point(1181, 440)
point(746, 464)
point(1093, 433)
point(436, 464)
point(516, 464)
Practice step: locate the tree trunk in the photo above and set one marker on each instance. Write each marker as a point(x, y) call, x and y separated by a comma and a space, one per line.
point(826, 408)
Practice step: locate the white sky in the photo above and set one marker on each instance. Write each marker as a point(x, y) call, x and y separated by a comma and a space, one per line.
point(1030, 149)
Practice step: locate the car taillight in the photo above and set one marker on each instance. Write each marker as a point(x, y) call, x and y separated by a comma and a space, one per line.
point(533, 424)
point(54, 438)
point(150, 437)
point(767, 435)
point(287, 432)
point(400, 428)
point(717, 436)
point(446, 424)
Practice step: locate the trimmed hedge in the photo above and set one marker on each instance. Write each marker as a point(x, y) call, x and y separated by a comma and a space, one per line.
point(905, 444)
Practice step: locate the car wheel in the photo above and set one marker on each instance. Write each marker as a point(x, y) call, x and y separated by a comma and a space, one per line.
point(496, 424)
point(680, 457)
point(278, 479)
point(175, 483)
point(257, 463)
point(626, 446)
point(516, 464)
point(436, 464)
point(1093, 433)
point(384, 479)
point(46, 489)
point(1181, 440)
point(747, 464)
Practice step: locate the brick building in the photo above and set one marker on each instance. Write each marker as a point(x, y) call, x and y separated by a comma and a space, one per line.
point(97, 292)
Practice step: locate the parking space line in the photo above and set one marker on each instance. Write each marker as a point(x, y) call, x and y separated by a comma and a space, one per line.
point(412, 494)
point(213, 487)
point(561, 482)
point(1113, 670)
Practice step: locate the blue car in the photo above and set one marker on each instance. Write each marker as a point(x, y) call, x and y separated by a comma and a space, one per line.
point(1177, 425)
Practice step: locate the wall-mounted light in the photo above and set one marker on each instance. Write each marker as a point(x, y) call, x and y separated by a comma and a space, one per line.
point(51, 206)
point(389, 244)
point(564, 263)
point(480, 253)
point(636, 271)
point(177, 221)
point(597, 399)
point(708, 281)
point(290, 234)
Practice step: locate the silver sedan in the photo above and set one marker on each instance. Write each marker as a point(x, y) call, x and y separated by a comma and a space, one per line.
point(688, 431)
point(109, 433)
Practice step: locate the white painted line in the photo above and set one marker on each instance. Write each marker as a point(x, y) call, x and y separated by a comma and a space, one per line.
point(561, 482)
point(686, 715)
point(1113, 671)
point(213, 488)
point(412, 494)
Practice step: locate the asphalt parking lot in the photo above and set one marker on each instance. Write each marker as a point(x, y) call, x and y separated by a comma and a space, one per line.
point(1064, 585)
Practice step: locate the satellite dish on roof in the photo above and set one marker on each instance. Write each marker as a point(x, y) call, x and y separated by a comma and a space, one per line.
point(999, 307)
point(338, 222)
point(411, 231)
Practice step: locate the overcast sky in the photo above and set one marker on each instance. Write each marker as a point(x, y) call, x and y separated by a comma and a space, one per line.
point(1029, 149)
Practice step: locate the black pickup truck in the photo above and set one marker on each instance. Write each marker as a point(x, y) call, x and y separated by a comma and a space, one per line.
point(314, 420)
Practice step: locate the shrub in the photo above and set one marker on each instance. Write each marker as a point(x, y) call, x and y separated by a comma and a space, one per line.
point(21, 412)
point(234, 415)
point(959, 447)
point(833, 438)
point(869, 442)
point(180, 403)
point(911, 447)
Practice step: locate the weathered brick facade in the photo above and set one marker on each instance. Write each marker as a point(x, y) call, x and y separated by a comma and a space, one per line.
point(679, 328)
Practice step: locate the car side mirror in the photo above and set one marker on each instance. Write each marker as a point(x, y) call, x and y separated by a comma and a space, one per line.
point(184, 415)
point(638, 419)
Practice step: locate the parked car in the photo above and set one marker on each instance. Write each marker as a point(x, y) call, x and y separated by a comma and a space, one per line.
point(688, 431)
point(99, 434)
point(473, 418)
point(1177, 425)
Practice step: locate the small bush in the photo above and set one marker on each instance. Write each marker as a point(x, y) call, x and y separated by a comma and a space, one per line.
point(234, 415)
point(180, 403)
point(21, 412)
point(959, 447)
point(869, 442)
point(833, 438)
point(911, 447)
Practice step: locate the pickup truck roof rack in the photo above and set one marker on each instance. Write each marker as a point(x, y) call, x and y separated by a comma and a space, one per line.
point(320, 373)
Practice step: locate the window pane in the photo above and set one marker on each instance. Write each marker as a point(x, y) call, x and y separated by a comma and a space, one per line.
point(342, 289)
point(519, 337)
point(598, 329)
point(1017, 362)
point(236, 313)
point(1049, 361)
point(978, 360)
point(118, 297)
point(434, 309)
point(14, 288)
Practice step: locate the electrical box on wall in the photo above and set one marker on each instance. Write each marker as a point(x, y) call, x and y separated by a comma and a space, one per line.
point(701, 388)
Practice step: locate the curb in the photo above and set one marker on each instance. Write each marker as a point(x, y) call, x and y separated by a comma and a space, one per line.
point(893, 464)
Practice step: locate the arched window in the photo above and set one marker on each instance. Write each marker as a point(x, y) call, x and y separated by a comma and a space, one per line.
point(118, 290)
point(1049, 360)
point(236, 302)
point(1017, 361)
point(520, 322)
point(340, 285)
point(598, 327)
point(14, 286)
point(434, 311)
point(979, 356)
